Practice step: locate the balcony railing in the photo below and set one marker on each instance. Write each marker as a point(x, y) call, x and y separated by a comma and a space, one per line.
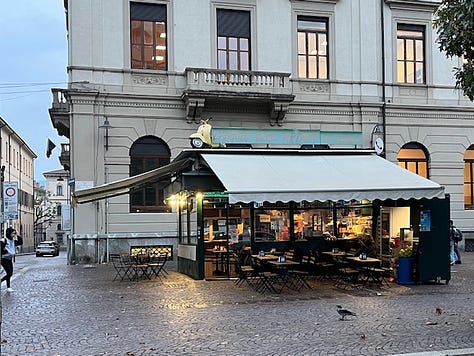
point(65, 157)
point(238, 81)
point(59, 99)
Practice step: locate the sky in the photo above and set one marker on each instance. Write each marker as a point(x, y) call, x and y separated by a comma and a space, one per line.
point(33, 42)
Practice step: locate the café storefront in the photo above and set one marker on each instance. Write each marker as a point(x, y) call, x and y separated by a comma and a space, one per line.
point(306, 201)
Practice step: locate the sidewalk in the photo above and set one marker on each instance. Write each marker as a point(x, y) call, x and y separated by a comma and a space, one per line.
point(58, 309)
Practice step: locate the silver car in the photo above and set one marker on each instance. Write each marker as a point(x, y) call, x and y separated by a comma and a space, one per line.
point(47, 248)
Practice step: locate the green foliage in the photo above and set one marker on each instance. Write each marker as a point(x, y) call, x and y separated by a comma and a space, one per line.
point(454, 24)
point(405, 252)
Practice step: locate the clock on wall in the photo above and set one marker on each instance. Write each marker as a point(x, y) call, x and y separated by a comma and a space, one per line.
point(379, 146)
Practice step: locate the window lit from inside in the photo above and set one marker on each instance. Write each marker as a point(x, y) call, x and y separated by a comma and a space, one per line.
point(312, 47)
point(469, 178)
point(148, 36)
point(410, 54)
point(414, 158)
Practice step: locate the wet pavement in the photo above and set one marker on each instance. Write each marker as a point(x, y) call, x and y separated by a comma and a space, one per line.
point(58, 309)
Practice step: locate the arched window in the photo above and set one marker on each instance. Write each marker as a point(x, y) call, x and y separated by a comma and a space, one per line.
point(58, 210)
point(148, 153)
point(469, 178)
point(59, 190)
point(414, 157)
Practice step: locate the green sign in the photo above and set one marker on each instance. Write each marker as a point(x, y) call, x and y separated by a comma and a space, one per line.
point(215, 195)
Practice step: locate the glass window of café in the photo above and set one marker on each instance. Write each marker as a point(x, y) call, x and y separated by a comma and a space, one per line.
point(302, 221)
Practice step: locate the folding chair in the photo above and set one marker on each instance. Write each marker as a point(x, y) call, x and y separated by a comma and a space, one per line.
point(156, 264)
point(244, 273)
point(122, 270)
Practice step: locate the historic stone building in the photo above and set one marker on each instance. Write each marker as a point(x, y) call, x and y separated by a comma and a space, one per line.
point(17, 169)
point(142, 74)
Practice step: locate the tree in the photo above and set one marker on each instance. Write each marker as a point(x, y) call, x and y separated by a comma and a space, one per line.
point(45, 211)
point(454, 23)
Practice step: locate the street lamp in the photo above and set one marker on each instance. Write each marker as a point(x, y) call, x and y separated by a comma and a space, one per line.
point(106, 125)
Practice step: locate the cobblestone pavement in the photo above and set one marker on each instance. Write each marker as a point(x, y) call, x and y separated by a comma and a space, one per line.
point(58, 309)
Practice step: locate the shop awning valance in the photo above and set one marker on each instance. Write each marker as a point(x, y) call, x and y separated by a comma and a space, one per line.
point(320, 177)
point(127, 185)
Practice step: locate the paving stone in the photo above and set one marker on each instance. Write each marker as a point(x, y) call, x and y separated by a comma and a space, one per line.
point(59, 309)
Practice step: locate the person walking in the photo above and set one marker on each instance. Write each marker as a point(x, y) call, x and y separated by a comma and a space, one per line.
point(8, 245)
point(457, 237)
point(454, 237)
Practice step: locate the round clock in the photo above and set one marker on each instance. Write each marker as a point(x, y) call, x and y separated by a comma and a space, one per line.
point(378, 145)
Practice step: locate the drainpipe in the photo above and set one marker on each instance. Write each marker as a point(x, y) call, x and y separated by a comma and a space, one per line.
point(384, 122)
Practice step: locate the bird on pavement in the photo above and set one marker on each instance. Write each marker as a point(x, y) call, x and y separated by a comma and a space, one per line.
point(438, 311)
point(344, 312)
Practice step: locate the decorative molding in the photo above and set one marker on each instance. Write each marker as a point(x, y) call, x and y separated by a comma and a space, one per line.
point(150, 80)
point(318, 111)
point(317, 1)
point(314, 87)
point(422, 5)
point(421, 92)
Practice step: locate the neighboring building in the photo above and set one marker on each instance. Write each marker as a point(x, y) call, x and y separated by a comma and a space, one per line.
point(142, 74)
point(59, 196)
point(18, 160)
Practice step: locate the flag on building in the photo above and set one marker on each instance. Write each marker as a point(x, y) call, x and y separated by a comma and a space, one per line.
point(50, 148)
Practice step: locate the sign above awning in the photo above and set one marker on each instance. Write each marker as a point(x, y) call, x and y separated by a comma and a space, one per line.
point(296, 177)
point(127, 185)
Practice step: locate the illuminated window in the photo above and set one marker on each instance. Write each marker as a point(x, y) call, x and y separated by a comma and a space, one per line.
point(148, 153)
point(413, 157)
point(312, 47)
point(233, 40)
point(410, 54)
point(469, 178)
point(148, 36)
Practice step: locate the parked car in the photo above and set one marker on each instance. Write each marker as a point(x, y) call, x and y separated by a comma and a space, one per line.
point(47, 248)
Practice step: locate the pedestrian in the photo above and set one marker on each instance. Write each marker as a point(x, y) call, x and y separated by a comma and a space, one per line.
point(8, 245)
point(457, 234)
point(454, 237)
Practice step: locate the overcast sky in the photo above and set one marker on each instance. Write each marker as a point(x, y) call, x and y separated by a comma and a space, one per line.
point(33, 60)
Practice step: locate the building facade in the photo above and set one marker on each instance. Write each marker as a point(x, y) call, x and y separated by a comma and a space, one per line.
point(59, 196)
point(143, 74)
point(17, 164)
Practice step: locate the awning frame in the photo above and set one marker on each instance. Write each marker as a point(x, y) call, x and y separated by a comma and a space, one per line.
point(130, 184)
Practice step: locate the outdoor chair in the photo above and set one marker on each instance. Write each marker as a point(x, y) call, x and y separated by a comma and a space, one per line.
point(122, 270)
point(244, 273)
point(156, 265)
point(266, 281)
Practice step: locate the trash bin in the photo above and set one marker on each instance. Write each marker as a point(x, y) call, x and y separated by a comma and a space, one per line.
point(405, 270)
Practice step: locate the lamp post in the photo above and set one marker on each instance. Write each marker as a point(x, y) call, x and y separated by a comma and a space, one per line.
point(106, 125)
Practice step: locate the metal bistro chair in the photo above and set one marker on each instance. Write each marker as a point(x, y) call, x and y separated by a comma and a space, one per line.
point(156, 265)
point(244, 273)
point(122, 270)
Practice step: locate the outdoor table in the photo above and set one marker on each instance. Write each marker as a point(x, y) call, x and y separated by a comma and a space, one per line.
point(265, 258)
point(369, 266)
point(220, 255)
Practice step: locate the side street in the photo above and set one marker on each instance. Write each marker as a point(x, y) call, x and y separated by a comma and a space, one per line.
point(58, 309)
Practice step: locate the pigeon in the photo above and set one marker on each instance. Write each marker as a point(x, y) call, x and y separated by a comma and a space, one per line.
point(438, 311)
point(344, 312)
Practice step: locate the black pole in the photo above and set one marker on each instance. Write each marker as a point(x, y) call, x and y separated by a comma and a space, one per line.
point(384, 123)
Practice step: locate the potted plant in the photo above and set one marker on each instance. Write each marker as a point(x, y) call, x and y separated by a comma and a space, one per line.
point(405, 265)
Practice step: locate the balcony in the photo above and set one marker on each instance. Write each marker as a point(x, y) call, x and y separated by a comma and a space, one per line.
point(206, 86)
point(65, 157)
point(59, 112)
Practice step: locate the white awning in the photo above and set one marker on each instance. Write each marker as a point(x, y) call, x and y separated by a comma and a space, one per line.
point(317, 177)
point(127, 185)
